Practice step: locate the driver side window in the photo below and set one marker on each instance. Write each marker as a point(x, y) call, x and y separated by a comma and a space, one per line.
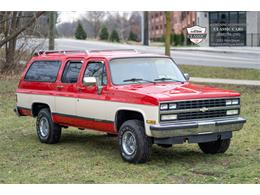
point(97, 70)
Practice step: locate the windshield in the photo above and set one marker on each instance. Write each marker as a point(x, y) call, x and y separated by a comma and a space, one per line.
point(133, 70)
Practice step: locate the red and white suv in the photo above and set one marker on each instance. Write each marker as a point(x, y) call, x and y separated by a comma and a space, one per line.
point(144, 98)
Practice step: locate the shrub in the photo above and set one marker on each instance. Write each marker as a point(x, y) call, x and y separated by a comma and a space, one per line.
point(132, 36)
point(80, 32)
point(104, 33)
point(114, 36)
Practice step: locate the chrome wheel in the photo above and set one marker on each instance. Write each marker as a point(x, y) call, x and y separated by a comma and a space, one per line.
point(44, 127)
point(129, 143)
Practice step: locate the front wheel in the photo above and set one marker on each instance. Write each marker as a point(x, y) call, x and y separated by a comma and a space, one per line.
point(135, 146)
point(219, 146)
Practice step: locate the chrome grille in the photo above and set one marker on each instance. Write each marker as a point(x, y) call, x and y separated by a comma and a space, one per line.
point(199, 109)
point(201, 103)
point(198, 115)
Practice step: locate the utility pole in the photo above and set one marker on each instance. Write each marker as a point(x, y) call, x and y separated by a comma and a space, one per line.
point(168, 33)
point(146, 28)
point(51, 33)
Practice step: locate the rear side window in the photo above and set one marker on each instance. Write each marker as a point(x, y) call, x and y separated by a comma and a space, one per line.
point(43, 71)
point(71, 72)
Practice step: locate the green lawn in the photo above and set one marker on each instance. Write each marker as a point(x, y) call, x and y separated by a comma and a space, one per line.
point(221, 72)
point(88, 157)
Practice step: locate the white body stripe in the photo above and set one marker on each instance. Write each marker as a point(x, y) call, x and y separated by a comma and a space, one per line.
point(89, 108)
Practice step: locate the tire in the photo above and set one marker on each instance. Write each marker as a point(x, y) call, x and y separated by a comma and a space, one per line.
point(138, 149)
point(48, 132)
point(165, 145)
point(219, 146)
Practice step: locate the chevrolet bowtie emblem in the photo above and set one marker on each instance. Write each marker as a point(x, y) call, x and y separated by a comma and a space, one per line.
point(204, 109)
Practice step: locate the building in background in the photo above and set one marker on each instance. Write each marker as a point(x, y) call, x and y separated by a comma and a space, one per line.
point(179, 22)
point(230, 28)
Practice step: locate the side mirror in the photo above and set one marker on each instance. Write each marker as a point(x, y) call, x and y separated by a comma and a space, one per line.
point(89, 81)
point(187, 76)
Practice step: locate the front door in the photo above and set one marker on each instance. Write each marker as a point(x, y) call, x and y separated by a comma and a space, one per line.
point(92, 100)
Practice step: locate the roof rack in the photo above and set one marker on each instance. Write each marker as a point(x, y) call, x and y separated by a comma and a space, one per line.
point(42, 52)
point(45, 52)
point(111, 50)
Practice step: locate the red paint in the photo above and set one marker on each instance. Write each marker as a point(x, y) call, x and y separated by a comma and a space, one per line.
point(84, 123)
point(145, 94)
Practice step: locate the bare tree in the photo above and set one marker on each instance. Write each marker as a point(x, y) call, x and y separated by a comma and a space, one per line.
point(96, 19)
point(146, 28)
point(13, 25)
point(168, 33)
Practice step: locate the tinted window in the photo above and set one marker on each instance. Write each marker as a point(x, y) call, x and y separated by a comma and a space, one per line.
point(71, 72)
point(45, 71)
point(148, 68)
point(97, 69)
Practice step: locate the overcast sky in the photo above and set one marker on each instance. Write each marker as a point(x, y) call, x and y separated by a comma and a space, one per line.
point(70, 16)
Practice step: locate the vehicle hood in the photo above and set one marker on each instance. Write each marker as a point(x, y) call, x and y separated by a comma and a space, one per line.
point(175, 91)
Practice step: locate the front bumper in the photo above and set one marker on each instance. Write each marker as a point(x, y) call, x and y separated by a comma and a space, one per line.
point(197, 127)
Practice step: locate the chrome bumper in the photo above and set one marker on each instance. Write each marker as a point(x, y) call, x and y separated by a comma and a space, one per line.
point(198, 127)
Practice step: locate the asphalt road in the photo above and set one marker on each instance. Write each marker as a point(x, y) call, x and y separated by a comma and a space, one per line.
point(233, 59)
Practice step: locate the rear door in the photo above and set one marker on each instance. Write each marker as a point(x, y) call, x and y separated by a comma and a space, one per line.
point(66, 89)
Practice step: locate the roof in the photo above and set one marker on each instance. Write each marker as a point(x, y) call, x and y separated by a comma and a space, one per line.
point(109, 54)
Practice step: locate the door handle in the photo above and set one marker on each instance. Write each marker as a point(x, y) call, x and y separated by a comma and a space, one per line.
point(59, 87)
point(80, 88)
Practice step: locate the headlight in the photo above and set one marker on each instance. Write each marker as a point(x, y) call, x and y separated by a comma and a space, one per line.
point(168, 117)
point(232, 112)
point(164, 107)
point(172, 106)
point(232, 102)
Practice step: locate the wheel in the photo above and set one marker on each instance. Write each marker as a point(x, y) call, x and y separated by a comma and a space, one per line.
point(48, 132)
point(135, 146)
point(219, 146)
point(165, 145)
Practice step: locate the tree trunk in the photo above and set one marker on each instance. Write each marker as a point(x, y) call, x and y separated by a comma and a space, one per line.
point(168, 33)
point(51, 30)
point(146, 28)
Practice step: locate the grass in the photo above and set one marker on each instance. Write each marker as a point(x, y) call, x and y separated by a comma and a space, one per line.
point(221, 72)
point(89, 157)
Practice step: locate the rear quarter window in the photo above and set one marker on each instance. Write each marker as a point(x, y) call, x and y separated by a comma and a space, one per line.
point(43, 71)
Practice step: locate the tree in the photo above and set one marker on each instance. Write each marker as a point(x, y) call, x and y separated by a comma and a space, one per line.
point(104, 35)
point(132, 36)
point(51, 33)
point(80, 32)
point(114, 36)
point(168, 33)
point(13, 26)
point(96, 19)
point(146, 28)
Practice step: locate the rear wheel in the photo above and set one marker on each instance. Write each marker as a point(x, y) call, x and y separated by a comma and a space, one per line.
point(48, 132)
point(219, 146)
point(135, 146)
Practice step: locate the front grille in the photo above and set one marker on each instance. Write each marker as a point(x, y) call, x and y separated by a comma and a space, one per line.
point(201, 103)
point(200, 109)
point(198, 115)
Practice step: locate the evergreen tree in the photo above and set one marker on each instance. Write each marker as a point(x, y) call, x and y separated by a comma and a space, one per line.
point(104, 35)
point(80, 32)
point(114, 36)
point(132, 36)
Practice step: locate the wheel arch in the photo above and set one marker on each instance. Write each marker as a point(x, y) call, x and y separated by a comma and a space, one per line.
point(124, 114)
point(37, 106)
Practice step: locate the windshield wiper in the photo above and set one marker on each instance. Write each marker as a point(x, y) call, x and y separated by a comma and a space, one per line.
point(137, 80)
point(166, 79)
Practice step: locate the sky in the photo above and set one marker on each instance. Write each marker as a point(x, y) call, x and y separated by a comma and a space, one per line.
point(70, 16)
